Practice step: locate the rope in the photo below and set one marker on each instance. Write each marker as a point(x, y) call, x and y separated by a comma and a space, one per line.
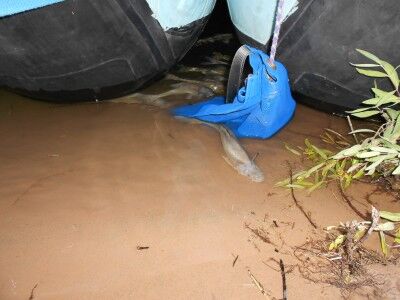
point(278, 23)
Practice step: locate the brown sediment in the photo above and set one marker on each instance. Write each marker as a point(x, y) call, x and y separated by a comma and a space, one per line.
point(94, 181)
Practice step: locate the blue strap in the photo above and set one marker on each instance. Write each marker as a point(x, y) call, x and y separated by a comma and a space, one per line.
point(10, 7)
point(260, 108)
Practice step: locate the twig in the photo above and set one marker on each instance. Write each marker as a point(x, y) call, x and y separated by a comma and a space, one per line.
point(347, 200)
point(352, 129)
point(284, 287)
point(32, 296)
point(257, 283)
point(235, 260)
point(142, 248)
point(295, 199)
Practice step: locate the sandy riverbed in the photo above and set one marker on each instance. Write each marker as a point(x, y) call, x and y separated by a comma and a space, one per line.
point(82, 186)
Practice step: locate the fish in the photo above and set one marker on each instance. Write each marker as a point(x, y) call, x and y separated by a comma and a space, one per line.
point(213, 85)
point(223, 71)
point(235, 155)
point(211, 61)
point(224, 38)
point(191, 89)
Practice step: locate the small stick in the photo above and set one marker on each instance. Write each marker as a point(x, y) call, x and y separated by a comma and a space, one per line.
point(295, 199)
point(32, 296)
point(142, 248)
point(347, 200)
point(257, 283)
point(235, 260)
point(352, 129)
point(284, 287)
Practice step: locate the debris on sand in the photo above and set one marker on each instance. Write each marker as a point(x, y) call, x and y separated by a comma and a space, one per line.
point(319, 265)
point(258, 284)
point(142, 248)
point(235, 260)
point(283, 274)
point(32, 295)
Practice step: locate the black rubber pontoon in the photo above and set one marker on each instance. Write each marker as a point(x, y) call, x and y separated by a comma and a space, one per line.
point(88, 49)
point(320, 39)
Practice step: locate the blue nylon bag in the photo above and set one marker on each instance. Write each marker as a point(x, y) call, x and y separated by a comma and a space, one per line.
point(261, 107)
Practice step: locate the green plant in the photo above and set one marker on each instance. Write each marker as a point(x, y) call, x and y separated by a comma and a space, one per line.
point(378, 153)
point(353, 234)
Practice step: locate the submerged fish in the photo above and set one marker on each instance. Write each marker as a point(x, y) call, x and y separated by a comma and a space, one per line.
point(211, 61)
point(224, 38)
point(214, 86)
point(236, 156)
point(190, 89)
point(223, 71)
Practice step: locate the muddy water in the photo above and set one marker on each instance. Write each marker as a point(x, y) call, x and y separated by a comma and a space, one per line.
point(83, 186)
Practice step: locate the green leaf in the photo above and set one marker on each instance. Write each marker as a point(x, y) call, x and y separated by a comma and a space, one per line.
point(358, 110)
point(292, 150)
point(371, 73)
point(359, 234)
point(313, 169)
point(396, 171)
point(283, 183)
point(359, 174)
point(347, 180)
point(329, 167)
point(388, 226)
point(320, 152)
point(348, 152)
point(384, 246)
point(395, 134)
point(397, 239)
point(372, 101)
point(393, 114)
point(362, 131)
point(315, 186)
point(381, 93)
point(371, 168)
point(308, 143)
point(391, 145)
point(366, 114)
point(368, 154)
point(354, 166)
point(304, 183)
point(365, 65)
point(295, 186)
point(299, 175)
point(391, 72)
point(337, 242)
point(383, 149)
point(388, 99)
point(370, 56)
point(394, 217)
